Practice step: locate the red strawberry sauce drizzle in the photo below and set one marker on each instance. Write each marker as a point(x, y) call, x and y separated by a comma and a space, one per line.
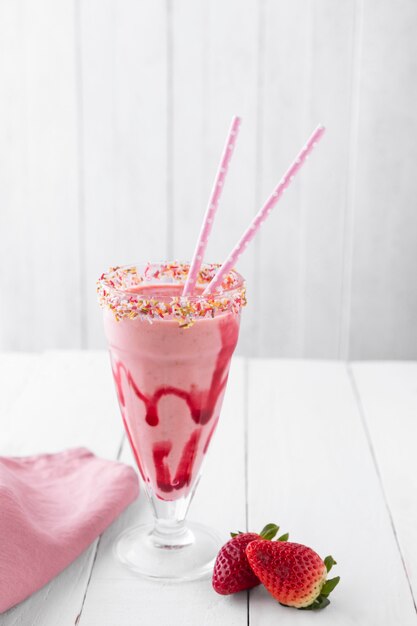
point(200, 404)
point(184, 471)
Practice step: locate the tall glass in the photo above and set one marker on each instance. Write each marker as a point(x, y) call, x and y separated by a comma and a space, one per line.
point(170, 358)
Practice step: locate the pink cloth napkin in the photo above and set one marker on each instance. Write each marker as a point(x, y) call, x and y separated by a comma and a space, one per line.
point(52, 507)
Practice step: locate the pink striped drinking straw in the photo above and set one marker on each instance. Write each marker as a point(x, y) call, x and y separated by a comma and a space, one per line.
point(263, 213)
point(211, 207)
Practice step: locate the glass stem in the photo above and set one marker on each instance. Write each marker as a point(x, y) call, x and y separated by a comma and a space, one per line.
point(170, 528)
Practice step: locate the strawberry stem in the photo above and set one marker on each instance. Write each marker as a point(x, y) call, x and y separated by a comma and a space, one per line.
point(268, 532)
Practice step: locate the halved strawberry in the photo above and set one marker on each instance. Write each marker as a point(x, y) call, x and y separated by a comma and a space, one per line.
point(293, 574)
point(232, 572)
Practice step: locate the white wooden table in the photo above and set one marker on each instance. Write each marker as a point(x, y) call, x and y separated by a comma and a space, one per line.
point(327, 450)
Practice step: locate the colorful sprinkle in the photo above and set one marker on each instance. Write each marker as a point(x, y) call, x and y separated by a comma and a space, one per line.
point(113, 292)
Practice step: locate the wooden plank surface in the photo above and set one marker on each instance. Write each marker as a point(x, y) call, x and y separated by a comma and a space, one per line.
point(68, 401)
point(115, 596)
point(318, 463)
point(311, 470)
point(388, 398)
point(16, 370)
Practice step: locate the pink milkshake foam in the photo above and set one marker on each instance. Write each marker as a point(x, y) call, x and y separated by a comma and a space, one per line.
point(171, 376)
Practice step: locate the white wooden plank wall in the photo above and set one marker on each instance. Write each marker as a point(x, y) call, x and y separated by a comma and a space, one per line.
point(123, 84)
point(39, 213)
point(384, 200)
point(112, 118)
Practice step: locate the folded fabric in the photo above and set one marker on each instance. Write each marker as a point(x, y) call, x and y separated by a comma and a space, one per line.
point(52, 507)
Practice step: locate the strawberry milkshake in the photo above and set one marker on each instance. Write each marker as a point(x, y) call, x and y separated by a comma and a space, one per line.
point(170, 358)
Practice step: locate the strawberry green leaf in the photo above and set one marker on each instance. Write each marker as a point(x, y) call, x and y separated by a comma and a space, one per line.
point(329, 562)
point(239, 532)
point(319, 603)
point(322, 600)
point(283, 537)
point(329, 585)
point(269, 531)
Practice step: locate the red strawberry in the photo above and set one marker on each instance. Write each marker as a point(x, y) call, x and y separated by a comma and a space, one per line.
point(231, 570)
point(293, 574)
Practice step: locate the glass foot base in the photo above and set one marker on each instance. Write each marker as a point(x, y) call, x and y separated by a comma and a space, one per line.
point(160, 558)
